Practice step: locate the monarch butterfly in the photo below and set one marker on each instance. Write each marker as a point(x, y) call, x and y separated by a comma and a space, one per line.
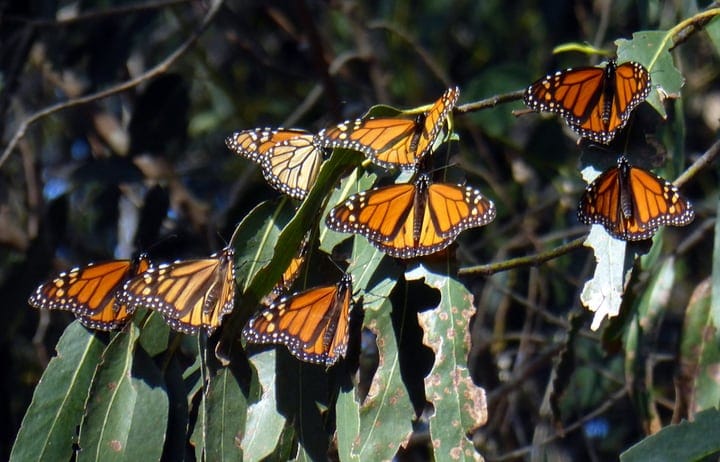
point(411, 220)
point(631, 203)
point(289, 275)
point(392, 142)
point(596, 102)
point(189, 294)
point(290, 159)
point(91, 292)
point(313, 325)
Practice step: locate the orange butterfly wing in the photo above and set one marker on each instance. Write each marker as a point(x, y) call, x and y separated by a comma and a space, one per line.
point(631, 203)
point(190, 294)
point(291, 166)
point(254, 144)
point(290, 274)
point(412, 220)
point(393, 142)
point(91, 292)
point(290, 158)
point(595, 102)
point(313, 325)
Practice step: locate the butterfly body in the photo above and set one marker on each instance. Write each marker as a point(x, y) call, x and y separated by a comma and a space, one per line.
point(596, 102)
point(91, 292)
point(190, 294)
point(313, 324)
point(631, 203)
point(393, 142)
point(290, 159)
point(413, 219)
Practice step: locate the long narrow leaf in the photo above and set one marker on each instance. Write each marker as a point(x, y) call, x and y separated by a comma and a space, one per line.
point(49, 427)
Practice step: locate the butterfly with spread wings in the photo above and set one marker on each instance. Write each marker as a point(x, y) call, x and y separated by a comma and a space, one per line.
point(314, 325)
point(596, 102)
point(91, 292)
point(631, 203)
point(393, 142)
point(189, 294)
point(412, 219)
point(290, 159)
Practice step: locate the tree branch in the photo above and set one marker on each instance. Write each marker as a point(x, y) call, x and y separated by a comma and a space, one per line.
point(159, 69)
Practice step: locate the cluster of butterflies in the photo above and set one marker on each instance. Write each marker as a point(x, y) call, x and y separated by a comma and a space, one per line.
point(189, 294)
point(630, 202)
point(404, 220)
point(195, 294)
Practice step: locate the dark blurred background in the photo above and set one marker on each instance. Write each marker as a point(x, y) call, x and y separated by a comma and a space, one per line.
point(65, 189)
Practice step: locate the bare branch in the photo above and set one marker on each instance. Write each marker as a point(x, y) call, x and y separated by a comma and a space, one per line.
point(159, 69)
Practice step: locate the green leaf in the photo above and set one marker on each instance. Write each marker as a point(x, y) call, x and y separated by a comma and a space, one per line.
point(386, 413)
point(713, 31)
point(48, 429)
point(715, 302)
point(352, 184)
point(366, 264)
point(460, 405)
point(155, 332)
point(127, 409)
point(686, 441)
point(255, 239)
point(264, 424)
point(347, 419)
point(225, 416)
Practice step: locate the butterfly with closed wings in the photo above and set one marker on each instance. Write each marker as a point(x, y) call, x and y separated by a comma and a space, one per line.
point(596, 102)
point(290, 159)
point(631, 203)
point(314, 324)
point(393, 142)
point(412, 219)
point(91, 292)
point(291, 273)
point(189, 294)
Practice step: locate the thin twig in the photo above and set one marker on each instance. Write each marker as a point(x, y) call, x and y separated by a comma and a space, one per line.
point(159, 69)
point(533, 260)
point(529, 260)
point(702, 162)
point(489, 102)
point(604, 407)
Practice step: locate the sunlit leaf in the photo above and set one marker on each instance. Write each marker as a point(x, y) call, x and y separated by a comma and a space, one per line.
point(49, 427)
point(460, 406)
point(687, 441)
point(127, 409)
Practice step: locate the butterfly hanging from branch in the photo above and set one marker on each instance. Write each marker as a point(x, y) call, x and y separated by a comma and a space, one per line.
point(393, 142)
point(314, 324)
point(412, 219)
point(595, 101)
point(631, 203)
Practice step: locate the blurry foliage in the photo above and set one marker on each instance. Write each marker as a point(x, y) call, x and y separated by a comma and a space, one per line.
point(66, 190)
